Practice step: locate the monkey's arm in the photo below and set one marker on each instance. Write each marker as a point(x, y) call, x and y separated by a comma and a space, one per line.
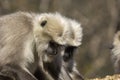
point(76, 75)
point(70, 67)
point(9, 72)
point(42, 74)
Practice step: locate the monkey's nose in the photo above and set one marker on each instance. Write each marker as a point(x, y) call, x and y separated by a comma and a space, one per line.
point(111, 46)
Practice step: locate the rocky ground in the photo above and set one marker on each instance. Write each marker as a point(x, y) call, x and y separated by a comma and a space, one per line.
point(113, 77)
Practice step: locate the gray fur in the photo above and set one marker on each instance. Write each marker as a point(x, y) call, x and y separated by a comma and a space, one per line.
point(24, 45)
point(17, 42)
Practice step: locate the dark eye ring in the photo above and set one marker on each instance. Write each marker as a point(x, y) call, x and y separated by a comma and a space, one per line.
point(43, 23)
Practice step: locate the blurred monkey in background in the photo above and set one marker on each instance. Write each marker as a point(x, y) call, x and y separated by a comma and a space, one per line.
point(115, 48)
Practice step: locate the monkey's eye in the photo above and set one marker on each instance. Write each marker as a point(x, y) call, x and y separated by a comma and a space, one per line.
point(43, 23)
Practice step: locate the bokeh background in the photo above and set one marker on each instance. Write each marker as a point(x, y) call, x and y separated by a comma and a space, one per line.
point(98, 18)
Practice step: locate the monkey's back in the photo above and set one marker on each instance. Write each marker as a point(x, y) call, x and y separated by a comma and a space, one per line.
point(15, 31)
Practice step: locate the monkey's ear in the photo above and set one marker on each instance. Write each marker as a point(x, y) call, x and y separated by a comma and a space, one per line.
point(43, 23)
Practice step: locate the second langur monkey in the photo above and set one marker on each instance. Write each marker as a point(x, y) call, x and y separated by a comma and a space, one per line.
point(115, 48)
point(63, 66)
point(73, 43)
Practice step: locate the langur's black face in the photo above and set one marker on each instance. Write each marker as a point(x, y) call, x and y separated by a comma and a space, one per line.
point(69, 52)
point(54, 48)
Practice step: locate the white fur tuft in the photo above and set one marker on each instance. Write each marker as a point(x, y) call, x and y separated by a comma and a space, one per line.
point(69, 26)
point(77, 29)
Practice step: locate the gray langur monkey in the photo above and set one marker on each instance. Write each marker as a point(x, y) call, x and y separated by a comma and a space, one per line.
point(30, 43)
point(115, 48)
point(62, 66)
point(73, 43)
point(26, 41)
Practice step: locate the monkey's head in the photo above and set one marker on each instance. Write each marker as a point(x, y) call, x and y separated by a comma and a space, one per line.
point(75, 38)
point(53, 27)
point(116, 41)
point(51, 32)
point(115, 48)
point(76, 34)
point(56, 33)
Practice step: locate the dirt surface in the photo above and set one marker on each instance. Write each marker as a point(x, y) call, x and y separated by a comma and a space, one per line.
point(113, 77)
